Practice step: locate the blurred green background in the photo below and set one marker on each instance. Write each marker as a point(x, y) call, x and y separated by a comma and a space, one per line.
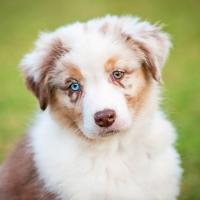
point(20, 22)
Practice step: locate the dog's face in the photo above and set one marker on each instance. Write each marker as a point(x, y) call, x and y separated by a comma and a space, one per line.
point(97, 77)
point(94, 86)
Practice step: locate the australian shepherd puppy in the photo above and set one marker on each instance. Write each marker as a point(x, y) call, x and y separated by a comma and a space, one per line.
point(101, 134)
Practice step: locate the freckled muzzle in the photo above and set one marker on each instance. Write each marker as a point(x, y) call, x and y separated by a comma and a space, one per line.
point(105, 118)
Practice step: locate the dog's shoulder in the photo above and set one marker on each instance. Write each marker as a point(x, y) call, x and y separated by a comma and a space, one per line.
point(18, 178)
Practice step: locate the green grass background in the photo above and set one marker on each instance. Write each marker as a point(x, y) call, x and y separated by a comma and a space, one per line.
point(20, 22)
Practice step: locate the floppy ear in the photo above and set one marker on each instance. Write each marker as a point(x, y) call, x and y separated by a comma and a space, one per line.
point(37, 65)
point(152, 44)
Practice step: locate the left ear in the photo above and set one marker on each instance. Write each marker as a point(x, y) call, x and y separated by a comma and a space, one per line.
point(38, 64)
point(150, 42)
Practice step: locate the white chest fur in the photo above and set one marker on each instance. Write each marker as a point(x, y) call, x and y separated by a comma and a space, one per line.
point(140, 167)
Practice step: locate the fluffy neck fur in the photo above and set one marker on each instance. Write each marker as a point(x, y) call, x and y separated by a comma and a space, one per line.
point(75, 169)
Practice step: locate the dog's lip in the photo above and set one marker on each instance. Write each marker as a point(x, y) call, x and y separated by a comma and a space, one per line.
point(107, 133)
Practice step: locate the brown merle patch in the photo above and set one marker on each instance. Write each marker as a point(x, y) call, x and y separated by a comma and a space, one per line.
point(19, 179)
point(137, 100)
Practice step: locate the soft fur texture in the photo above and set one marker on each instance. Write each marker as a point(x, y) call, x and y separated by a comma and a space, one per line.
point(74, 158)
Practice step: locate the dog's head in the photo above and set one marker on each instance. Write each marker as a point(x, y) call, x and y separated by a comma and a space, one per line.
point(97, 77)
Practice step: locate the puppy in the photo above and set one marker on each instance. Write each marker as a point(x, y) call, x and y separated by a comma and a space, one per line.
point(101, 134)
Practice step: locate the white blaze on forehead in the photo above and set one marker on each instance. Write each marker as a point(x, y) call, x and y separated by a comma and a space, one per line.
point(91, 52)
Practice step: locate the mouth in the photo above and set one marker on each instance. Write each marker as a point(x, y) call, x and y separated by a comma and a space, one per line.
point(107, 133)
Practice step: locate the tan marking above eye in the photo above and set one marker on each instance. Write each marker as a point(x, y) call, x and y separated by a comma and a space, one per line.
point(73, 71)
point(110, 65)
point(68, 75)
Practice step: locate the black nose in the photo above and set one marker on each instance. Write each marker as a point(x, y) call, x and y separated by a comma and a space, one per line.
point(105, 118)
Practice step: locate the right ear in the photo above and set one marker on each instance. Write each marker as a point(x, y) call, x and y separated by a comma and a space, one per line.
point(149, 40)
point(37, 65)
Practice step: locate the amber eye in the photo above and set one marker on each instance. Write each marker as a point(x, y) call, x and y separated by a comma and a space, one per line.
point(118, 75)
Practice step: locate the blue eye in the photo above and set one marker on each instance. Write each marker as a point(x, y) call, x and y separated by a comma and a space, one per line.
point(75, 87)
